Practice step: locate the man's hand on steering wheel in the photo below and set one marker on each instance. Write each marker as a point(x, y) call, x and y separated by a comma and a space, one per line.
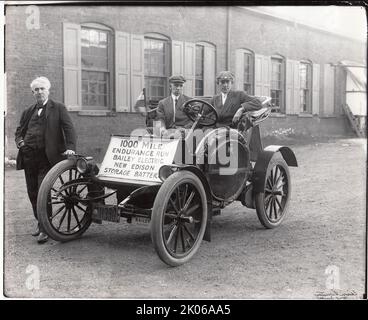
point(195, 107)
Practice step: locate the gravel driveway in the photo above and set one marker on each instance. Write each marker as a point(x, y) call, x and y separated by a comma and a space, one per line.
point(318, 251)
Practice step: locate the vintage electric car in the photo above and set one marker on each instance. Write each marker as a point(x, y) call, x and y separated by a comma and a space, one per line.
point(175, 184)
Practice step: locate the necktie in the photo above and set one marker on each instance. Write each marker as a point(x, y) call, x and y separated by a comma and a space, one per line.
point(40, 108)
point(175, 103)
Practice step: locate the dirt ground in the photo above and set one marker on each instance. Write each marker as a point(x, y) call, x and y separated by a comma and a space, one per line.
point(324, 231)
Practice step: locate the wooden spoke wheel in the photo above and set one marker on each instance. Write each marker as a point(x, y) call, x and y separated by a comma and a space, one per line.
point(179, 218)
point(272, 203)
point(63, 207)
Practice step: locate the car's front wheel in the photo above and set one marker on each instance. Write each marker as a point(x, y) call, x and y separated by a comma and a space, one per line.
point(62, 204)
point(179, 218)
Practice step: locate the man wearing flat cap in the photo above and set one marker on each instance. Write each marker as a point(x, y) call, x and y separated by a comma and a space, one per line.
point(170, 110)
point(230, 104)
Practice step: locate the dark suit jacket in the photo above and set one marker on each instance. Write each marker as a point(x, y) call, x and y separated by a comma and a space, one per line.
point(234, 100)
point(165, 113)
point(59, 134)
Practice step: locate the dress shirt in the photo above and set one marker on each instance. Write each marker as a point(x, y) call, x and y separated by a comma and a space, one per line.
point(224, 96)
point(175, 101)
point(41, 108)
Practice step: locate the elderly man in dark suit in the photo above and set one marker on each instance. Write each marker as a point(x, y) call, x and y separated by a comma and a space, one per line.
point(231, 104)
point(45, 136)
point(170, 110)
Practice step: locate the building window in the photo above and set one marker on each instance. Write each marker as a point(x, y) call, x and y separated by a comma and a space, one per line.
point(156, 68)
point(199, 70)
point(96, 68)
point(277, 84)
point(205, 68)
point(248, 73)
point(305, 73)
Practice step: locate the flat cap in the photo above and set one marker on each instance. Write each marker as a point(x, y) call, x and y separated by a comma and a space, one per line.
point(225, 75)
point(177, 79)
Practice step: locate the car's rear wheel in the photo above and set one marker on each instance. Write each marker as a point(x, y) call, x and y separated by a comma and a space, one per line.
point(179, 218)
point(272, 204)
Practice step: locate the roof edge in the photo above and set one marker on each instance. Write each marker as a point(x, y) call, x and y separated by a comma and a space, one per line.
point(298, 23)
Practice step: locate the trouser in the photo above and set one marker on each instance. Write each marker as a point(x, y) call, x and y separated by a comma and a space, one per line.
point(36, 166)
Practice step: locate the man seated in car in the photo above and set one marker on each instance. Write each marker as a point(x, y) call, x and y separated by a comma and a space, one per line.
point(170, 111)
point(231, 104)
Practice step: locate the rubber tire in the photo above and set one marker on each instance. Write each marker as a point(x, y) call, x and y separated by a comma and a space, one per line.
point(277, 159)
point(159, 206)
point(42, 199)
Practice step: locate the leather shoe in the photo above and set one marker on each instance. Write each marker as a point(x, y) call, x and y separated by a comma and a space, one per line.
point(36, 232)
point(42, 237)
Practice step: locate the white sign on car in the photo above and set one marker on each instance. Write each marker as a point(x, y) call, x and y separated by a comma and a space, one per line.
point(137, 158)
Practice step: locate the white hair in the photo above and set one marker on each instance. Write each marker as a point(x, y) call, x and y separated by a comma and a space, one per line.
point(42, 80)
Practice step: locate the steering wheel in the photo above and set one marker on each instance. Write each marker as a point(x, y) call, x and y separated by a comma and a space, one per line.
point(207, 113)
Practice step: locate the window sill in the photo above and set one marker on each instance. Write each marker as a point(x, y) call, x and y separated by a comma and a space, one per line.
point(277, 115)
point(305, 115)
point(73, 108)
point(328, 116)
point(97, 113)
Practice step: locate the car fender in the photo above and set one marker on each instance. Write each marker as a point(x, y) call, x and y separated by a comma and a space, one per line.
point(264, 158)
point(286, 153)
point(195, 170)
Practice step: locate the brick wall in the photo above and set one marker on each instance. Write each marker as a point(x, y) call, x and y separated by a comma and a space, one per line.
point(34, 52)
point(307, 127)
point(94, 139)
point(30, 53)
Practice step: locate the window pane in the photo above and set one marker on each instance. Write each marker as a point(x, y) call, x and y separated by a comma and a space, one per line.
point(92, 100)
point(102, 88)
point(303, 100)
point(277, 82)
point(94, 49)
point(248, 88)
point(155, 57)
point(199, 87)
point(248, 73)
point(155, 87)
point(155, 67)
point(276, 74)
point(95, 45)
point(85, 99)
point(94, 88)
point(84, 86)
point(303, 75)
point(102, 100)
point(276, 100)
point(305, 83)
point(199, 70)
point(199, 61)
point(103, 38)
